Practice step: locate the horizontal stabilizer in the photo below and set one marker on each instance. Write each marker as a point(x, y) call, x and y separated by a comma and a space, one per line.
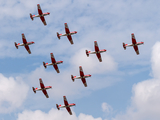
point(58, 35)
point(57, 106)
point(31, 16)
point(87, 53)
point(16, 45)
point(72, 78)
point(34, 90)
point(44, 64)
point(124, 46)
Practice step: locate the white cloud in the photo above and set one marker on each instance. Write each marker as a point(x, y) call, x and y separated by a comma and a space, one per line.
point(53, 114)
point(13, 93)
point(146, 97)
point(107, 108)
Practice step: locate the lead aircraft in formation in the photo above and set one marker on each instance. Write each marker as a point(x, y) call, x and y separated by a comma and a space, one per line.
point(43, 88)
point(134, 44)
point(97, 51)
point(66, 105)
point(40, 14)
point(54, 63)
point(68, 33)
point(82, 76)
point(25, 43)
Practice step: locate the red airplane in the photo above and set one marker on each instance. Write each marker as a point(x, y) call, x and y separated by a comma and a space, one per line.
point(97, 51)
point(43, 88)
point(40, 14)
point(54, 63)
point(25, 44)
point(67, 106)
point(68, 33)
point(134, 44)
point(82, 76)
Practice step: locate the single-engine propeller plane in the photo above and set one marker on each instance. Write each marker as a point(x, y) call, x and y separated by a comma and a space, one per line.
point(97, 51)
point(134, 44)
point(68, 33)
point(54, 63)
point(66, 105)
point(25, 44)
point(43, 88)
point(40, 14)
point(82, 76)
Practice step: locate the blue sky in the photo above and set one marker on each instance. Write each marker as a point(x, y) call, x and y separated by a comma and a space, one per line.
point(124, 86)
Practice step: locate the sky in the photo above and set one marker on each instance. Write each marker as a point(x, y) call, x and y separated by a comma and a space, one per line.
point(124, 86)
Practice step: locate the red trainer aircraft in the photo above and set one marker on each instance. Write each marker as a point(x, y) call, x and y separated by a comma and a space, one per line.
point(68, 33)
point(82, 76)
point(43, 88)
point(54, 63)
point(97, 51)
point(25, 44)
point(40, 14)
point(66, 105)
point(134, 44)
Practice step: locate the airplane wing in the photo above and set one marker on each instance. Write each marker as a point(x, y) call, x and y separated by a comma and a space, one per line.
point(56, 68)
point(39, 9)
point(24, 39)
point(41, 83)
point(99, 57)
point(27, 48)
point(81, 71)
point(65, 101)
point(66, 28)
point(84, 82)
point(43, 20)
point(45, 93)
point(52, 58)
point(69, 110)
point(70, 39)
point(96, 46)
point(136, 49)
point(133, 38)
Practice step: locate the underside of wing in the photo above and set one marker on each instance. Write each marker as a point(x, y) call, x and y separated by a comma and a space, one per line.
point(45, 93)
point(69, 110)
point(81, 71)
point(66, 28)
point(99, 57)
point(27, 48)
point(52, 58)
point(43, 20)
point(56, 68)
point(70, 39)
point(84, 82)
point(96, 46)
point(24, 39)
point(65, 101)
point(41, 83)
point(39, 9)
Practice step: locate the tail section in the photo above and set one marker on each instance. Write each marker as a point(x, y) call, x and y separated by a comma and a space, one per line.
point(72, 78)
point(124, 46)
point(31, 16)
point(57, 106)
point(16, 45)
point(34, 90)
point(87, 53)
point(58, 35)
point(44, 64)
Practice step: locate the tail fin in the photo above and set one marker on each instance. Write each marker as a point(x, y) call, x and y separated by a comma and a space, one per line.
point(34, 90)
point(87, 53)
point(31, 16)
point(44, 64)
point(57, 106)
point(58, 35)
point(16, 45)
point(124, 46)
point(72, 78)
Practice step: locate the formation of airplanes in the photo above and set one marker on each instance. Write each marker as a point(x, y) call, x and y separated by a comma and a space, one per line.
point(66, 105)
point(55, 63)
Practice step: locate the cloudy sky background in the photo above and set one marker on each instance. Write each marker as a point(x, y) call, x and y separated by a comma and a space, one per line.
point(125, 86)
